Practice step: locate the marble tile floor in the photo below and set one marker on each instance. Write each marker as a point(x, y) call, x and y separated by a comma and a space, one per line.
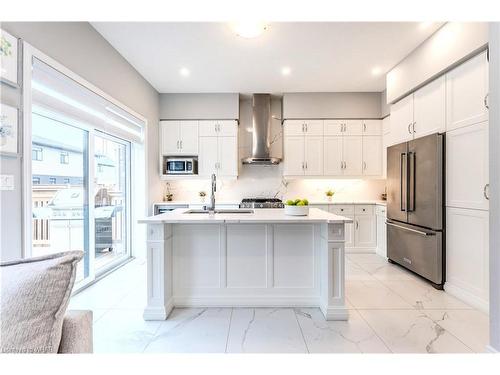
point(391, 311)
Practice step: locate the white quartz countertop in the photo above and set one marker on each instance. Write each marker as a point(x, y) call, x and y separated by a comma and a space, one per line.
point(199, 203)
point(263, 215)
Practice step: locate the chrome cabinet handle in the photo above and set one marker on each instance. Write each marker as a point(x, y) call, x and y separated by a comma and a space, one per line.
point(409, 125)
point(302, 165)
point(485, 191)
point(357, 224)
point(306, 128)
point(364, 126)
point(180, 144)
point(413, 126)
point(364, 165)
point(486, 104)
point(410, 229)
point(306, 164)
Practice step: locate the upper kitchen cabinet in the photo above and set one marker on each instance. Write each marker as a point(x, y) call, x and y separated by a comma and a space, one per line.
point(467, 93)
point(353, 127)
point(402, 120)
point(333, 127)
point(372, 156)
point(352, 152)
point(372, 127)
point(293, 162)
point(213, 128)
point(179, 137)
point(429, 113)
point(218, 155)
point(303, 127)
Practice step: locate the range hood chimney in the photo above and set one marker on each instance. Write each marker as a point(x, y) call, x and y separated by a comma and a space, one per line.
point(261, 131)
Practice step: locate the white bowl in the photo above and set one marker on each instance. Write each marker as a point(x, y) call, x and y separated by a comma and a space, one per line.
point(296, 210)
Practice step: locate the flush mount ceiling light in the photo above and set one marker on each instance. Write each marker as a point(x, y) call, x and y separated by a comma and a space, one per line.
point(249, 29)
point(376, 71)
point(184, 72)
point(286, 70)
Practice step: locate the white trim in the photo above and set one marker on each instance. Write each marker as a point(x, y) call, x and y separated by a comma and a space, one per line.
point(466, 297)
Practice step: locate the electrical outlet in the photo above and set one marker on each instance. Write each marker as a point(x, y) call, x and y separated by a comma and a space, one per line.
point(6, 182)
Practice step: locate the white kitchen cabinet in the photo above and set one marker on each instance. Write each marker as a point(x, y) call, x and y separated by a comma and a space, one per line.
point(349, 233)
point(353, 127)
point(372, 156)
point(402, 120)
point(372, 127)
point(313, 151)
point(429, 109)
point(467, 174)
point(333, 156)
point(293, 128)
point(381, 216)
point(466, 93)
point(179, 137)
point(293, 163)
point(214, 128)
point(313, 127)
point(467, 254)
point(333, 127)
point(228, 156)
point(365, 235)
point(303, 127)
point(352, 151)
point(208, 158)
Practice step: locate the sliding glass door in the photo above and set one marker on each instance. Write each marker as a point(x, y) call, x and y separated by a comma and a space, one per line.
point(111, 213)
point(60, 186)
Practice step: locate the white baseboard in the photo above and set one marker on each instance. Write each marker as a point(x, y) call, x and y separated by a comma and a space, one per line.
point(158, 312)
point(239, 301)
point(467, 297)
point(335, 313)
point(360, 250)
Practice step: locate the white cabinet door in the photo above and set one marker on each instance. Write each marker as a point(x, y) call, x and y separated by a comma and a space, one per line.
point(313, 127)
point(372, 127)
point(228, 156)
point(208, 128)
point(353, 127)
point(372, 156)
point(467, 167)
point(381, 236)
point(169, 137)
point(227, 128)
point(365, 234)
point(332, 151)
point(467, 255)
point(352, 151)
point(466, 90)
point(188, 140)
point(293, 156)
point(208, 157)
point(313, 152)
point(386, 125)
point(294, 127)
point(333, 127)
point(429, 108)
point(402, 120)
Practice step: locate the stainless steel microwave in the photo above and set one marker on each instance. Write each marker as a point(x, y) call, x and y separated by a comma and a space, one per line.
point(182, 166)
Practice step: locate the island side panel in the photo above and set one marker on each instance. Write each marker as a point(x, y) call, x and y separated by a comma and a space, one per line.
point(159, 272)
point(333, 272)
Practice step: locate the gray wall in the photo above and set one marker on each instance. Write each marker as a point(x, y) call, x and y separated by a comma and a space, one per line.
point(450, 45)
point(79, 47)
point(199, 106)
point(331, 105)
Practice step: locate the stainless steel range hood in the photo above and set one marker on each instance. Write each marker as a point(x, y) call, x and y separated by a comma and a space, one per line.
point(261, 132)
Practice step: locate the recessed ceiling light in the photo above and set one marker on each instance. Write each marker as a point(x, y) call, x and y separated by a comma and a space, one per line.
point(376, 71)
point(286, 70)
point(184, 72)
point(249, 28)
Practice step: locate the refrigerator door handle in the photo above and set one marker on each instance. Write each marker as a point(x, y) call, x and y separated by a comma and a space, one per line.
point(403, 182)
point(410, 229)
point(411, 181)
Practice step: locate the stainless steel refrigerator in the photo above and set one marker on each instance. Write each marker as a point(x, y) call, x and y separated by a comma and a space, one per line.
point(415, 221)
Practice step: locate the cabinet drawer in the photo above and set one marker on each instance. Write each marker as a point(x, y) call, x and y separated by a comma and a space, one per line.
point(342, 209)
point(381, 210)
point(363, 209)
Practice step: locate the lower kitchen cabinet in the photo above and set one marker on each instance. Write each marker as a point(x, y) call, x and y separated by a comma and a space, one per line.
point(467, 254)
point(365, 232)
point(381, 215)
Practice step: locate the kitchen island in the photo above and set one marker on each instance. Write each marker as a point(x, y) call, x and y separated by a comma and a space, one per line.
point(261, 258)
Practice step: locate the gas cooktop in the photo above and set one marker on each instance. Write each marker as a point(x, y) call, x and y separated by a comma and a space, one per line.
point(261, 203)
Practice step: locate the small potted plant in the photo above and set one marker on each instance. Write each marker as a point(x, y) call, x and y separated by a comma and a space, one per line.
point(329, 194)
point(297, 207)
point(169, 196)
point(202, 195)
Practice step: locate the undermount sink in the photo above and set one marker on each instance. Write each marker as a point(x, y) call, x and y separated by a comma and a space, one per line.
point(221, 211)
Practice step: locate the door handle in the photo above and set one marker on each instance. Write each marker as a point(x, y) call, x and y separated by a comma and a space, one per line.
point(486, 191)
point(410, 229)
point(302, 165)
point(178, 145)
point(364, 126)
point(357, 225)
point(306, 164)
point(486, 104)
point(413, 126)
point(181, 144)
point(307, 128)
point(364, 165)
point(409, 126)
point(303, 128)
point(401, 178)
point(411, 181)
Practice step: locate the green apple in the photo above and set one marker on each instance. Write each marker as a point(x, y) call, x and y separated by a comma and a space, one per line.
point(305, 201)
point(301, 203)
point(296, 202)
point(290, 202)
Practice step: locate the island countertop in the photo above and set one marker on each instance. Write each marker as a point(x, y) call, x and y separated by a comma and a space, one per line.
point(261, 215)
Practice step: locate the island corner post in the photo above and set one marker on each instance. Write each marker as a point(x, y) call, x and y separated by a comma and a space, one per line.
point(224, 263)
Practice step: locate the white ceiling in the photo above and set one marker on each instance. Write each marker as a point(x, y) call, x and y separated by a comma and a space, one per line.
point(326, 56)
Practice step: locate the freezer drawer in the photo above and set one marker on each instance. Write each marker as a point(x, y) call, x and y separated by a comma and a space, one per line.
point(419, 250)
